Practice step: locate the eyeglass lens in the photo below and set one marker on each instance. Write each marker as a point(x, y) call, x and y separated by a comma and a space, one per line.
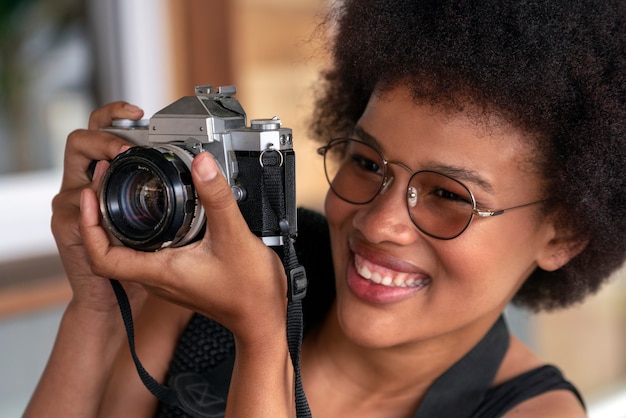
point(439, 206)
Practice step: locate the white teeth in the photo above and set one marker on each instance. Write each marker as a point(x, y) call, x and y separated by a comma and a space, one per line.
point(365, 272)
point(387, 277)
point(399, 281)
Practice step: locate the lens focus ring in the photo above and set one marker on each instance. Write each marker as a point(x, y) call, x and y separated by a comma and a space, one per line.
point(147, 198)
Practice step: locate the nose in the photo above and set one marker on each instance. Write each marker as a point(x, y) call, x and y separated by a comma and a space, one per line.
point(386, 218)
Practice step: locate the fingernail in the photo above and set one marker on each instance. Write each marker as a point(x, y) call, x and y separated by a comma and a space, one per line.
point(99, 170)
point(205, 167)
point(82, 200)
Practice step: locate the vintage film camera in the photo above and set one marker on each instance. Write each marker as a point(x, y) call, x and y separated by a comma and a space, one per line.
point(147, 198)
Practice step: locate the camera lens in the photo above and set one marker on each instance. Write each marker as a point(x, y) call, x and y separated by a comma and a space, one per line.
point(148, 200)
point(143, 200)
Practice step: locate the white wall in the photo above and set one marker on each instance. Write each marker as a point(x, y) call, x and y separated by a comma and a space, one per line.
point(135, 58)
point(134, 51)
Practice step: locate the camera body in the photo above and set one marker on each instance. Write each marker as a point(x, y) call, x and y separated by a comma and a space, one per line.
point(147, 198)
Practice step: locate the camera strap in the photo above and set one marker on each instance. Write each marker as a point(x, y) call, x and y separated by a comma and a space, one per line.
point(273, 188)
point(212, 402)
point(162, 392)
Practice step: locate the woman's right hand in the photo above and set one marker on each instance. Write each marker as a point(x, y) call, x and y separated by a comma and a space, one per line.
point(82, 148)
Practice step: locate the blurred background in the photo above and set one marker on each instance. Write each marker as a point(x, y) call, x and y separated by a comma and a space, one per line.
point(60, 59)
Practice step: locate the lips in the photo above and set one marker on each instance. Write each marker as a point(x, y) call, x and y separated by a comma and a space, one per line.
point(379, 279)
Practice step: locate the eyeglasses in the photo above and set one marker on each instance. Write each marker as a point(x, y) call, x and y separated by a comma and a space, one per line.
point(439, 205)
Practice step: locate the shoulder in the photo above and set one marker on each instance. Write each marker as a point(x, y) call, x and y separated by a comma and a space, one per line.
point(553, 404)
point(526, 387)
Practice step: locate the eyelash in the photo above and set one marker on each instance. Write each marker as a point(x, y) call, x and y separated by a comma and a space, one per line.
point(366, 163)
point(447, 194)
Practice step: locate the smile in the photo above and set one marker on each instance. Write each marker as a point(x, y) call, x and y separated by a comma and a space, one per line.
point(387, 277)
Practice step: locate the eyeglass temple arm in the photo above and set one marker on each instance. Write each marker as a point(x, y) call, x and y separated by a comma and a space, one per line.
point(488, 213)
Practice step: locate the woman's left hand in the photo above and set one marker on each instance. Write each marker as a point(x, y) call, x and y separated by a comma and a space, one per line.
point(230, 275)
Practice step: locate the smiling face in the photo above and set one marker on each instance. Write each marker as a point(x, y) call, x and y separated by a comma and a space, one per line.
point(397, 285)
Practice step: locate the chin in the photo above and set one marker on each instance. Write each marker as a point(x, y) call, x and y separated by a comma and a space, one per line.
point(366, 325)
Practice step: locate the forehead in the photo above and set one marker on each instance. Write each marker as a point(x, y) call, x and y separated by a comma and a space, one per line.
point(430, 137)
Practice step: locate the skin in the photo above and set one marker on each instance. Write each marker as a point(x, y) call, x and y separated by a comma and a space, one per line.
point(472, 277)
point(91, 336)
point(378, 350)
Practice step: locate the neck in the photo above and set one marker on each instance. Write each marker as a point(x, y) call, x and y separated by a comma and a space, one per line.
point(391, 374)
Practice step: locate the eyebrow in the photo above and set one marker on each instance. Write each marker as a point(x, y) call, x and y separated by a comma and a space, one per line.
point(366, 137)
point(456, 172)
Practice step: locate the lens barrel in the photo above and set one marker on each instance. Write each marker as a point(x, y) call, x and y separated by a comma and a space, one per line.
point(148, 200)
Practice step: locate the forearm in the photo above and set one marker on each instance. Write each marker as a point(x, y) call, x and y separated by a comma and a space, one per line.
point(262, 384)
point(79, 366)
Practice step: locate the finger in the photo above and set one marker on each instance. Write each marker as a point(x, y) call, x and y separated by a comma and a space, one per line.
point(82, 148)
point(98, 173)
point(222, 212)
point(107, 260)
point(63, 222)
point(93, 234)
point(105, 115)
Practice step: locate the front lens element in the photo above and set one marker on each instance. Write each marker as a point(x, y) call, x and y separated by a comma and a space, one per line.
point(143, 200)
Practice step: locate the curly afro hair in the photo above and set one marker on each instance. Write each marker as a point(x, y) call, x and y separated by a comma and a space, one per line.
point(555, 69)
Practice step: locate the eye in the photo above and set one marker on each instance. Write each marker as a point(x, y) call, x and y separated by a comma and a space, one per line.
point(366, 164)
point(445, 194)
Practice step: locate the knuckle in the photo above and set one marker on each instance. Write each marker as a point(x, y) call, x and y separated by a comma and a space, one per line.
point(99, 113)
point(103, 115)
point(218, 194)
point(74, 137)
point(55, 223)
point(94, 114)
point(60, 227)
point(221, 197)
point(57, 202)
point(97, 266)
point(60, 203)
point(99, 261)
point(55, 218)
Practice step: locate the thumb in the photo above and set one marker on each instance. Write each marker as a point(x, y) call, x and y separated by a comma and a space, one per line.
point(221, 209)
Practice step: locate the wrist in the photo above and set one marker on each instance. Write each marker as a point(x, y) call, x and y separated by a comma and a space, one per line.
point(103, 329)
point(263, 379)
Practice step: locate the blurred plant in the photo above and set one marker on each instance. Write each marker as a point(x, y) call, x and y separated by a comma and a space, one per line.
point(28, 30)
point(20, 22)
point(11, 12)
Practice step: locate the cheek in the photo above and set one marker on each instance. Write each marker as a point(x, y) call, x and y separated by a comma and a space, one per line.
point(338, 212)
point(328, 204)
point(496, 258)
point(339, 215)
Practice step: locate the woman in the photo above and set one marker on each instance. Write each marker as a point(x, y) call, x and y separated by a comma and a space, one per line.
point(479, 160)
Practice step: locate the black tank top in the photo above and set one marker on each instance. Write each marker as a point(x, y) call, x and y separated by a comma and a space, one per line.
point(208, 349)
